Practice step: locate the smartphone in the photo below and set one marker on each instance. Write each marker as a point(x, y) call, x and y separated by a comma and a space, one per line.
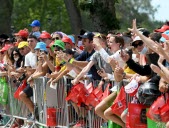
point(121, 50)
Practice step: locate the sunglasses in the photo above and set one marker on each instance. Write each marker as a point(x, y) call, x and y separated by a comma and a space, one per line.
point(43, 51)
point(98, 35)
point(140, 43)
point(56, 38)
point(37, 50)
point(21, 48)
point(55, 46)
point(15, 54)
point(58, 48)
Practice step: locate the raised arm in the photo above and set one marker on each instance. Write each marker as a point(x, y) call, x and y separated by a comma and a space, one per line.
point(150, 43)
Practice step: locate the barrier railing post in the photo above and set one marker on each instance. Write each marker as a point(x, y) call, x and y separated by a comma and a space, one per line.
point(39, 99)
point(67, 106)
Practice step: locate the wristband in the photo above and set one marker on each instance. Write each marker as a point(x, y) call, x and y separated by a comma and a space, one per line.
point(71, 60)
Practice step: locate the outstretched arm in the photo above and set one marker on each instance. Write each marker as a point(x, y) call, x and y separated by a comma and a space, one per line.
point(150, 43)
point(83, 72)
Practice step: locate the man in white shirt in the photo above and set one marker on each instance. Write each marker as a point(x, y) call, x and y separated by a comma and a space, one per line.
point(30, 65)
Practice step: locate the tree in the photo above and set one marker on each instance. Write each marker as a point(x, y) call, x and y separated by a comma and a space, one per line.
point(52, 15)
point(142, 10)
point(101, 13)
point(5, 13)
point(74, 16)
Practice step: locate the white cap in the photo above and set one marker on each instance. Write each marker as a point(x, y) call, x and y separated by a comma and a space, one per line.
point(136, 39)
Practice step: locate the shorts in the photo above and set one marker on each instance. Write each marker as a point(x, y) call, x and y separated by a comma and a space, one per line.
point(28, 91)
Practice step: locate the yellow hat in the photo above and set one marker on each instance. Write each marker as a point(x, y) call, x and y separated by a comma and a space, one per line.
point(22, 44)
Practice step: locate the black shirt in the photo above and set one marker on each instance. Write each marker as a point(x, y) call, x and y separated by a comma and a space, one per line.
point(141, 70)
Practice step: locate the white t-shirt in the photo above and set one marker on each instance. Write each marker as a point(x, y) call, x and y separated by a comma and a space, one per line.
point(31, 60)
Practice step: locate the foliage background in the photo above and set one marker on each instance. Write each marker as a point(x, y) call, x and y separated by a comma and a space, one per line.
point(92, 15)
point(51, 13)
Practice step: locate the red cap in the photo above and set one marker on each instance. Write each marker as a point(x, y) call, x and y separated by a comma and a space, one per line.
point(162, 29)
point(66, 39)
point(165, 36)
point(22, 33)
point(6, 47)
point(45, 35)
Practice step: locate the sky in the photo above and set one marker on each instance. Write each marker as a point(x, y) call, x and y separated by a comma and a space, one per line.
point(162, 13)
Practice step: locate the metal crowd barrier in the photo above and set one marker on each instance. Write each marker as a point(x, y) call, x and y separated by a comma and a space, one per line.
point(14, 109)
point(46, 97)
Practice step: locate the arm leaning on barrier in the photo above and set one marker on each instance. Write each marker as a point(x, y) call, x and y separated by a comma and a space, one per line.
point(60, 75)
point(49, 63)
point(38, 73)
point(74, 63)
point(82, 73)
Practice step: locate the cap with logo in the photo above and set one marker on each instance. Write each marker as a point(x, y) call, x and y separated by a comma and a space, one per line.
point(87, 35)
